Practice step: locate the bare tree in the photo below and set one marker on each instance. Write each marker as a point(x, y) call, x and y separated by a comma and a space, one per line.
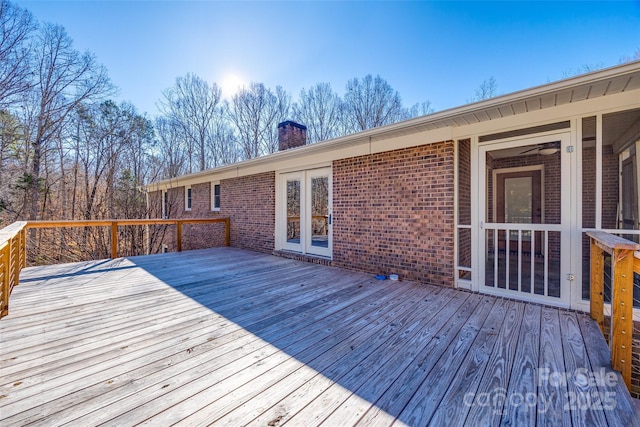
point(419, 109)
point(103, 135)
point(170, 156)
point(16, 27)
point(255, 111)
point(582, 69)
point(11, 141)
point(371, 102)
point(487, 89)
point(65, 78)
point(281, 109)
point(193, 105)
point(320, 109)
point(630, 58)
point(223, 145)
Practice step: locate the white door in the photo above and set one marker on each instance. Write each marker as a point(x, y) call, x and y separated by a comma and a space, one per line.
point(524, 231)
point(305, 217)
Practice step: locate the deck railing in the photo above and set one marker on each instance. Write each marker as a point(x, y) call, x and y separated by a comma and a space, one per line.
point(13, 244)
point(623, 264)
point(13, 258)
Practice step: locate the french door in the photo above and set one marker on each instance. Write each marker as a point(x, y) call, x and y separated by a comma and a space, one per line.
point(524, 237)
point(305, 212)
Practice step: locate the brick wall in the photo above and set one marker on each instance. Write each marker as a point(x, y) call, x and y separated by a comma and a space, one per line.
point(393, 213)
point(201, 236)
point(250, 203)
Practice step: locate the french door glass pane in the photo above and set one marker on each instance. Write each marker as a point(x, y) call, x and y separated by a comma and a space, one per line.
point(320, 212)
point(293, 211)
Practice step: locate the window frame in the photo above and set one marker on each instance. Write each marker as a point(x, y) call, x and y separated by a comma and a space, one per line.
point(215, 208)
point(188, 199)
point(165, 204)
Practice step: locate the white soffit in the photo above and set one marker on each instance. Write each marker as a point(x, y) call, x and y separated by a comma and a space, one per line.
point(614, 80)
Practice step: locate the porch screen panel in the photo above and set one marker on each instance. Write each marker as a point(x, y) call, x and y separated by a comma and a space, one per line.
point(464, 182)
point(610, 186)
point(523, 232)
point(620, 182)
point(464, 209)
point(589, 171)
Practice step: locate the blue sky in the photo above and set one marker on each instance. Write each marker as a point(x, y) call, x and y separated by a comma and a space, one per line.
point(437, 51)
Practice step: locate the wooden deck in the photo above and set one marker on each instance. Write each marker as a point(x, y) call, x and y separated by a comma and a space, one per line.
point(231, 337)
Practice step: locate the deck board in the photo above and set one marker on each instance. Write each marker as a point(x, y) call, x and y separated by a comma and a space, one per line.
point(426, 400)
point(486, 412)
point(232, 337)
point(583, 397)
point(523, 379)
point(551, 388)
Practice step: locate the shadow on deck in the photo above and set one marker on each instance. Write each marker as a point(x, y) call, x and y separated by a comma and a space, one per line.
point(234, 337)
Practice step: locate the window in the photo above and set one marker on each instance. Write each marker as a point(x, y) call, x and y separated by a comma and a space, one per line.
point(165, 204)
point(187, 199)
point(215, 196)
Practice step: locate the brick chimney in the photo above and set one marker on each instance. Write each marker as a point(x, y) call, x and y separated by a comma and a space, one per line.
point(291, 135)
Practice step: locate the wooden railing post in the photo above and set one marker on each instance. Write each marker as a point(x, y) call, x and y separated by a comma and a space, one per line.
point(114, 239)
point(597, 284)
point(12, 261)
point(227, 232)
point(6, 286)
point(23, 235)
point(622, 313)
point(179, 235)
point(622, 268)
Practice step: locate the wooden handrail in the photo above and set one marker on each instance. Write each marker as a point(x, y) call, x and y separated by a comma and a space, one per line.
point(623, 264)
point(115, 223)
point(13, 258)
point(108, 222)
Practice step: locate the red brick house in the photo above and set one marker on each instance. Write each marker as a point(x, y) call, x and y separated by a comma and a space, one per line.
point(493, 197)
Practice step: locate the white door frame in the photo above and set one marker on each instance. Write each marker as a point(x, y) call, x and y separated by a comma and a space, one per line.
point(305, 246)
point(568, 220)
point(281, 212)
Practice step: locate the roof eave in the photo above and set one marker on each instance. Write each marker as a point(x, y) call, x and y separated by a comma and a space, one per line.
point(476, 107)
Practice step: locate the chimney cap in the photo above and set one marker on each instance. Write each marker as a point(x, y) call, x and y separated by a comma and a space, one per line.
point(291, 123)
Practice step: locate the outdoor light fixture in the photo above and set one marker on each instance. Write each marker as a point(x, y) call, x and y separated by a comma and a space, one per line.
point(547, 151)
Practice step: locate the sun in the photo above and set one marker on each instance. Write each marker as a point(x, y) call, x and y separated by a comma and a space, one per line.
point(231, 84)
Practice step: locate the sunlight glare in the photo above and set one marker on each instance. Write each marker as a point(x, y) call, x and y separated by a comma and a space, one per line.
point(231, 84)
